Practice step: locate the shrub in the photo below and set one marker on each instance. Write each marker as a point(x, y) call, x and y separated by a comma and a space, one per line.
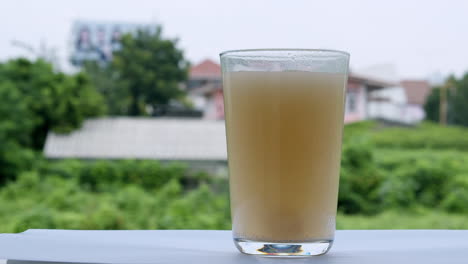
point(456, 199)
point(424, 136)
point(129, 194)
point(104, 175)
point(424, 178)
point(37, 200)
point(360, 179)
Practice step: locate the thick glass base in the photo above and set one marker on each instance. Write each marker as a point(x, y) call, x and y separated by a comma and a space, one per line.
point(299, 249)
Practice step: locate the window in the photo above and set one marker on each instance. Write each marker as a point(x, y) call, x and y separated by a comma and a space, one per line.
point(351, 102)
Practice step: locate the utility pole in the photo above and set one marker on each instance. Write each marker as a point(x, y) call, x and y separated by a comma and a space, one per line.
point(443, 104)
point(448, 86)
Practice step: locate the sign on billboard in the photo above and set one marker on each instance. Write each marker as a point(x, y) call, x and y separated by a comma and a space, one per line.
point(96, 41)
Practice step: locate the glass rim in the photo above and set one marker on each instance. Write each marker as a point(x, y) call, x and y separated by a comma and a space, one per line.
point(228, 52)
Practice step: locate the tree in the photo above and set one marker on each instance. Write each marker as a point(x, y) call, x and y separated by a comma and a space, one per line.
point(53, 100)
point(35, 100)
point(151, 68)
point(107, 83)
point(15, 128)
point(457, 99)
point(432, 105)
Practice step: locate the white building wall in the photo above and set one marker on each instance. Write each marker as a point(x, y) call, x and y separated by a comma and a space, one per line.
point(394, 107)
point(355, 109)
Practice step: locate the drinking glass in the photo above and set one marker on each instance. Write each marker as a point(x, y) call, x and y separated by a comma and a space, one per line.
point(284, 113)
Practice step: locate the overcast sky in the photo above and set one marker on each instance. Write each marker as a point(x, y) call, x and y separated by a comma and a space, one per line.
point(418, 37)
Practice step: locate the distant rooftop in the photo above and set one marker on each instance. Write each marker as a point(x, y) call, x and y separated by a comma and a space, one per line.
point(141, 138)
point(206, 69)
point(416, 91)
point(370, 80)
point(209, 69)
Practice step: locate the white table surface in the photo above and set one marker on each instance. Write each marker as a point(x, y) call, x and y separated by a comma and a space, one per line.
point(193, 247)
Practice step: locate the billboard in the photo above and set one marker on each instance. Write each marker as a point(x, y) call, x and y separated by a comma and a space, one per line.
point(96, 41)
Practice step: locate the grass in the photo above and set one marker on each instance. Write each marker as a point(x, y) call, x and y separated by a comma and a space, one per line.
point(389, 155)
point(404, 220)
point(426, 135)
point(123, 195)
point(395, 147)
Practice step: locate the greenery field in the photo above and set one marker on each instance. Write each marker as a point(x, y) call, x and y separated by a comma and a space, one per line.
point(382, 186)
point(426, 219)
point(391, 177)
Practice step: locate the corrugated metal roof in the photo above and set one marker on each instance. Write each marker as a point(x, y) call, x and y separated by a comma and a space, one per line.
point(141, 138)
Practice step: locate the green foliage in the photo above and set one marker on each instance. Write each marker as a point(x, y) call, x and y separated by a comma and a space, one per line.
point(360, 179)
point(15, 129)
point(397, 167)
point(426, 135)
point(110, 175)
point(149, 195)
point(457, 194)
point(406, 185)
point(50, 100)
point(457, 101)
point(113, 90)
point(358, 130)
point(15, 119)
point(151, 69)
point(403, 219)
point(432, 105)
point(416, 180)
point(36, 99)
point(38, 200)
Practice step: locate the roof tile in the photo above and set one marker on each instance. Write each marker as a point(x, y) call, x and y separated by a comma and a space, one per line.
point(206, 69)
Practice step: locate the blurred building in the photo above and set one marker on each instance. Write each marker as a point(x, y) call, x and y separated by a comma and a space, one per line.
point(358, 96)
point(205, 90)
point(417, 91)
point(402, 103)
point(96, 41)
point(201, 143)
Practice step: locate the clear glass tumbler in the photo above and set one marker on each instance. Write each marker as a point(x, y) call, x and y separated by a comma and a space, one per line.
point(284, 119)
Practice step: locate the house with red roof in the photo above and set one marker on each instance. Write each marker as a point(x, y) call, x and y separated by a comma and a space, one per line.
point(205, 90)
